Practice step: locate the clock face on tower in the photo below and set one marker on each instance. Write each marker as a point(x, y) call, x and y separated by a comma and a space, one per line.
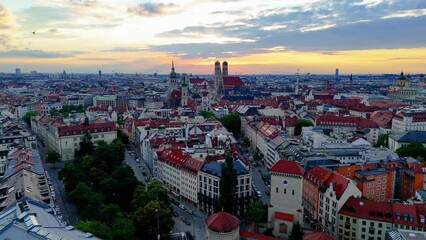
point(285, 182)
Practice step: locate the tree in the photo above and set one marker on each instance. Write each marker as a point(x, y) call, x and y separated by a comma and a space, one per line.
point(98, 229)
point(414, 149)
point(382, 140)
point(228, 183)
point(27, 117)
point(301, 123)
point(257, 212)
point(72, 175)
point(257, 156)
point(86, 146)
point(152, 219)
point(145, 194)
point(86, 201)
point(122, 228)
point(53, 157)
point(246, 143)
point(296, 232)
point(232, 123)
point(123, 137)
point(206, 114)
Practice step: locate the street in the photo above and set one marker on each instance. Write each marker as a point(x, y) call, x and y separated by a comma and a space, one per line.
point(197, 228)
point(68, 210)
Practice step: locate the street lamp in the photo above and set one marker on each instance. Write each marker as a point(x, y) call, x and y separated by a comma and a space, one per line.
point(158, 224)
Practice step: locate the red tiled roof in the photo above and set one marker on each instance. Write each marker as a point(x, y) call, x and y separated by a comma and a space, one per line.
point(340, 183)
point(232, 82)
point(222, 222)
point(363, 208)
point(284, 216)
point(82, 129)
point(318, 236)
point(196, 80)
point(192, 166)
point(287, 166)
point(317, 175)
point(174, 156)
point(333, 120)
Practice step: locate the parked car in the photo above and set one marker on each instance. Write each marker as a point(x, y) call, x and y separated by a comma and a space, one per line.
point(267, 192)
point(181, 206)
point(175, 214)
point(137, 160)
point(190, 211)
point(259, 194)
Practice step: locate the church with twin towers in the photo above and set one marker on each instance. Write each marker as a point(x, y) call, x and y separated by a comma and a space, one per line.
point(218, 76)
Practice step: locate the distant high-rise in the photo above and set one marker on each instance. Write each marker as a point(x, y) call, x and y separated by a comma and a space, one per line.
point(225, 68)
point(351, 82)
point(100, 73)
point(18, 71)
point(218, 78)
point(421, 81)
point(337, 73)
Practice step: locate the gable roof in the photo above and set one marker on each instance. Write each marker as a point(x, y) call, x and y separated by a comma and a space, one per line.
point(287, 166)
point(410, 136)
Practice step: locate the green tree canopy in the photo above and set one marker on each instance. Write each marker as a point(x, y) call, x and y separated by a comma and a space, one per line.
point(228, 183)
point(27, 117)
point(122, 228)
point(206, 114)
point(147, 219)
point(98, 229)
point(232, 123)
point(414, 149)
point(86, 146)
point(382, 140)
point(296, 232)
point(257, 212)
point(53, 157)
point(301, 123)
point(86, 201)
point(145, 194)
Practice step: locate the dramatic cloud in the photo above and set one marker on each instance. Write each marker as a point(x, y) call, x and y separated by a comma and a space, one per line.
point(153, 9)
point(5, 19)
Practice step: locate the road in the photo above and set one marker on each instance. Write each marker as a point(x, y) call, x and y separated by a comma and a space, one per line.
point(68, 210)
point(197, 227)
point(257, 177)
point(130, 160)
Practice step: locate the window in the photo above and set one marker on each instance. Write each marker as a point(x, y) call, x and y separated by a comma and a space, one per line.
point(292, 192)
point(285, 191)
point(276, 190)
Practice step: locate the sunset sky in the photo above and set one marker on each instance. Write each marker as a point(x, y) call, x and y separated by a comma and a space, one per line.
point(268, 36)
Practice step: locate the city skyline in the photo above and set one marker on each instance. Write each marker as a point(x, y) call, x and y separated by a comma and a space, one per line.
point(134, 36)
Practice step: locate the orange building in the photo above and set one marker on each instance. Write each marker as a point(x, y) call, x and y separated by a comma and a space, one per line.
point(378, 181)
point(312, 181)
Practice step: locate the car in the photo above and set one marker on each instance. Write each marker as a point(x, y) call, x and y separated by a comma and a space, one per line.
point(181, 206)
point(144, 173)
point(267, 192)
point(54, 198)
point(190, 211)
point(259, 194)
point(137, 160)
point(175, 214)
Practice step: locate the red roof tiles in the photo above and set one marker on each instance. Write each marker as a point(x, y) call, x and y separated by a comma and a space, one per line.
point(222, 222)
point(287, 166)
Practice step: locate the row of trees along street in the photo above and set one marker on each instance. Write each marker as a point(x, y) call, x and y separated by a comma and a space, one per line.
point(110, 201)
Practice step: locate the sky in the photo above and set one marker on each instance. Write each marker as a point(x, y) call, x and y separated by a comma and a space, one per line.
point(253, 36)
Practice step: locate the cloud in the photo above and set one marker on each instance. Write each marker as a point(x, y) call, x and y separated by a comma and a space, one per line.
point(4, 41)
point(5, 19)
point(125, 49)
point(35, 54)
point(322, 26)
point(153, 9)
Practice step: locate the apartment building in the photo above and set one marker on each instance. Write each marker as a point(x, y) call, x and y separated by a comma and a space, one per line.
point(209, 186)
point(368, 219)
point(313, 179)
point(409, 120)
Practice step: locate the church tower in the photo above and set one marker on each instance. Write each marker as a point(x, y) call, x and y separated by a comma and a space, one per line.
point(351, 81)
point(184, 89)
point(173, 78)
point(225, 68)
point(218, 78)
